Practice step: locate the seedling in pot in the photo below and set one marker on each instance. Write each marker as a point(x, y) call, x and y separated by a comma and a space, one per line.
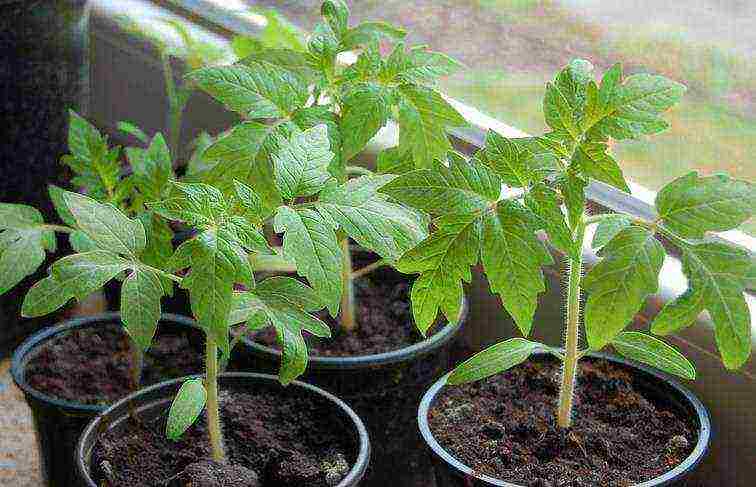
point(304, 95)
point(546, 178)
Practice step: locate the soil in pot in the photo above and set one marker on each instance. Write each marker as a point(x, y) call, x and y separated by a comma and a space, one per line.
point(384, 394)
point(91, 365)
point(505, 427)
point(281, 437)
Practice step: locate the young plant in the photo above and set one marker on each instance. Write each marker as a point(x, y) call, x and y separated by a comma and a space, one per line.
point(474, 220)
point(287, 96)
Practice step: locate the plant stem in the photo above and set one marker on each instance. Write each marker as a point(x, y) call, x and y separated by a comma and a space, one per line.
point(213, 407)
point(59, 228)
point(135, 366)
point(572, 334)
point(348, 321)
point(368, 268)
point(358, 171)
point(175, 106)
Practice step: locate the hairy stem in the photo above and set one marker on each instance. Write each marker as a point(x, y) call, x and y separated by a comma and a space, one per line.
point(572, 335)
point(369, 268)
point(348, 321)
point(213, 407)
point(135, 366)
point(175, 106)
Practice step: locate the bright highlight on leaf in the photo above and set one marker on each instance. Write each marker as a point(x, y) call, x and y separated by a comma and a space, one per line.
point(652, 351)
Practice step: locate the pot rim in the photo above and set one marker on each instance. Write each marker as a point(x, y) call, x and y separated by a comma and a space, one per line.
point(424, 347)
point(356, 472)
point(687, 465)
point(30, 344)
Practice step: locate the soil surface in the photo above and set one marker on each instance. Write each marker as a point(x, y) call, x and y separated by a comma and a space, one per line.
point(383, 314)
point(504, 427)
point(91, 365)
point(285, 437)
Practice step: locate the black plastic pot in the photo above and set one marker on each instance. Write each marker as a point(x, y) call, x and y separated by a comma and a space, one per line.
point(155, 400)
point(450, 472)
point(58, 422)
point(44, 71)
point(385, 390)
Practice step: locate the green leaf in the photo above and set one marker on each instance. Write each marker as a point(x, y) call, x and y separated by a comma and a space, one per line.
point(418, 65)
point(247, 235)
point(717, 274)
point(369, 32)
point(249, 49)
point(301, 163)
point(153, 168)
point(618, 285)
point(336, 13)
point(23, 243)
point(197, 204)
point(185, 408)
point(45, 297)
point(572, 187)
point(82, 274)
point(56, 196)
point(106, 225)
point(691, 205)
point(509, 160)
point(233, 155)
point(133, 130)
point(370, 218)
point(254, 90)
point(565, 99)
point(608, 228)
point(512, 257)
point(679, 313)
point(423, 118)
point(97, 168)
point(284, 311)
point(313, 116)
point(395, 160)
point(140, 305)
point(636, 104)
point(217, 262)
point(365, 109)
point(544, 202)
point(652, 351)
point(463, 187)
point(199, 145)
point(310, 240)
point(292, 290)
point(595, 162)
point(443, 260)
point(493, 360)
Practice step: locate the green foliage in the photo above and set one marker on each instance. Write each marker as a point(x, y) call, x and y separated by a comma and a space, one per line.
point(283, 303)
point(493, 360)
point(652, 351)
point(23, 243)
point(185, 408)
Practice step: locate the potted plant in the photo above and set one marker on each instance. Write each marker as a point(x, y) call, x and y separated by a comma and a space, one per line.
point(72, 371)
point(109, 244)
point(566, 416)
point(290, 98)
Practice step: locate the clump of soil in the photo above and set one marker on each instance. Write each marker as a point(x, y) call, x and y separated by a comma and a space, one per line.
point(384, 320)
point(505, 427)
point(207, 473)
point(92, 365)
point(286, 437)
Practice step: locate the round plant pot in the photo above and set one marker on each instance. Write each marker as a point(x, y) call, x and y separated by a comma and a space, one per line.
point(155, 400)
point(385, 390)
point(58, 423)
point(44, 71)
point(450, 472)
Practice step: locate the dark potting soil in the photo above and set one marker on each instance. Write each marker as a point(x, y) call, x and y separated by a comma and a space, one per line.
point(505, 427)
point(384, 321)
point(92, 365)
point(287, 438)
